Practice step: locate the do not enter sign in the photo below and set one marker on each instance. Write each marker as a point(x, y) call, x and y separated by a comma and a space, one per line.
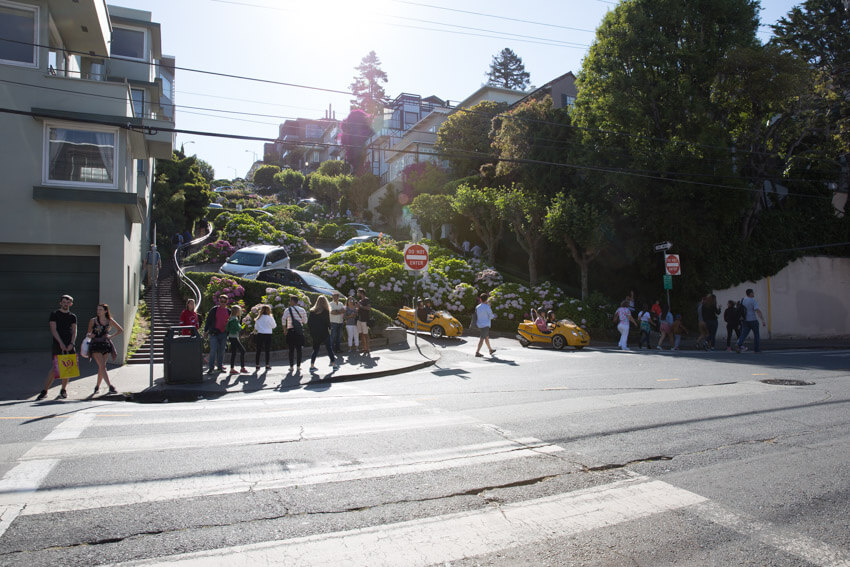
point(672, 265)
point(416, 257)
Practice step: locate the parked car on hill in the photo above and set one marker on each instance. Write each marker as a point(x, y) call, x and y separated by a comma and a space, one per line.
point(304, 281)
point(353, 242)
point(362, 229)
point(246, 262)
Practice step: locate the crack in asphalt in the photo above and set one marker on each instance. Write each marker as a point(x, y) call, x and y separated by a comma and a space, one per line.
point(611, 466)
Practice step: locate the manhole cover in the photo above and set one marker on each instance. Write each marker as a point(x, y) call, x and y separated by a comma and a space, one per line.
point(788, 382)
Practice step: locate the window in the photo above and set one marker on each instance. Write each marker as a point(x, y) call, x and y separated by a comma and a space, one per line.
point(138, 102)
point(19, 30)
point(128, 42)
point(77, 156)
point(567, 100)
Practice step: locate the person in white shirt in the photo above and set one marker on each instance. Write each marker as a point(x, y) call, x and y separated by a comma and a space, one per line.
point(751, 322)
point(483, 316)
point(294, 319)
point(337, 312)
point(264, 324)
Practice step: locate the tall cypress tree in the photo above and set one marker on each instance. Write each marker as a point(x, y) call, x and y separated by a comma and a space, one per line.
point(368, 85)
point(507, 70)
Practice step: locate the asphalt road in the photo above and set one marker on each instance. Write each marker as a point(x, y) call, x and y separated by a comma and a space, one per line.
point(532, 457)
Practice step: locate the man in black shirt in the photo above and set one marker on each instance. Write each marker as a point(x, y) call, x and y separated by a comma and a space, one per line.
point(63, 328)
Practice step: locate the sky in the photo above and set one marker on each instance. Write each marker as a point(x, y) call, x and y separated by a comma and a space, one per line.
point(426, 47)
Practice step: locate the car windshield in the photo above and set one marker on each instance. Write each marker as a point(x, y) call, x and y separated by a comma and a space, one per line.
point(246, 259)
point(353, 241)
point(314, 281)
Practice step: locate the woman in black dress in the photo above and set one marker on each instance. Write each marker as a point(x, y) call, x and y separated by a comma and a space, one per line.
point(319, 322)
point(100, 333)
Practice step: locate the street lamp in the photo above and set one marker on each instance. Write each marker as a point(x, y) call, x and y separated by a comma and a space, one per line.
point(234, 171)
point(183, 146)
point(253, 152)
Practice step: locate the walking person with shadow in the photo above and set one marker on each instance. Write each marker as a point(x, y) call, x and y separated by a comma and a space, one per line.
point(319, 322)
point(63, 329)
point(294, 319)
point(483, 318)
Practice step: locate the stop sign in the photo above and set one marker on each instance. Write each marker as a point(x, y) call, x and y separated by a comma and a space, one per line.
point(416, 257)
point(671, 263)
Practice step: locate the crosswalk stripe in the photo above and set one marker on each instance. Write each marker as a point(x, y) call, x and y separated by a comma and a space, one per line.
point(451, 537)
point(257, 413)
point(73, 448)
point(267, 478)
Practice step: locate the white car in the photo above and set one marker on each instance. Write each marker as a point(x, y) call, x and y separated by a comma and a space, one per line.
point(353, 242)
point(246, 262)
point(363, 229)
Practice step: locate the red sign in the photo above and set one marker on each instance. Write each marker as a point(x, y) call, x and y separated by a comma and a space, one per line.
point(416, 257)
point(671, 263)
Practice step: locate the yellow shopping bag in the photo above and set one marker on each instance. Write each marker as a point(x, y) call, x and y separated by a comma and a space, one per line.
point(67, 366)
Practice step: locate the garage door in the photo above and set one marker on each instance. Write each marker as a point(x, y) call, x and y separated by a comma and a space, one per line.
point(30, 287)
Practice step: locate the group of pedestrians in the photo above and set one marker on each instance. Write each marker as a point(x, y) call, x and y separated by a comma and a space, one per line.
point(98, 344)
point(324, 321)
point(741, 318)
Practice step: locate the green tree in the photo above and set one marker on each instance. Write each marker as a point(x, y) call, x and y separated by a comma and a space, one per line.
point(368, 85)
point(531, 139)
point(464, 138)
point(390, 207)
point(327, 188)
point(180, 195)
point(656, 145)
point(581, 227)
point(291, 181)
point(358, 191)
point(507, 71)
point(265, 176)
point(525, 210)
point(432, 211)
point(207, 170)
point(818, 34)
point(333, 167)
point(479, 206)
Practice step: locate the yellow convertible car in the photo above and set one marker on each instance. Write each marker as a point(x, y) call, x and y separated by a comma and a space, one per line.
point(442, 325)
point(564, 333)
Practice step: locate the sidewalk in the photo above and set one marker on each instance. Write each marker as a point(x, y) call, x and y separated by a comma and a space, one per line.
point(22, 375)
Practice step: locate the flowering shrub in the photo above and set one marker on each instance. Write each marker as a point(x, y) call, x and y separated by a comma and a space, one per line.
point(278, 299)
point(455, 269)
point(488, 279)
point(462, 299)
point(212, 253)
point(225, 286)
point(386, 285)
point(513, 302)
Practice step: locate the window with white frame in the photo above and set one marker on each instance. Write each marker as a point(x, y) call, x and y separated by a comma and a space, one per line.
point(129, 42)
point(19, 30)
point(80, 156)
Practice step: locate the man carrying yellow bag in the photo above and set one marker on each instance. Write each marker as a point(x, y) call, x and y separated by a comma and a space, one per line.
point(63, 327)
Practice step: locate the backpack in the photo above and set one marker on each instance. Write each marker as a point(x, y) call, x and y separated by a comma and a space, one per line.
point(742, 311)
point(297, 329)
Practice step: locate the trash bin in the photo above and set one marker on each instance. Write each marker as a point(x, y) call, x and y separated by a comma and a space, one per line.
point(183, 356)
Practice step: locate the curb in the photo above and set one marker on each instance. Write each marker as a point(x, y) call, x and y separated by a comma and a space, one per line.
point(195, 392)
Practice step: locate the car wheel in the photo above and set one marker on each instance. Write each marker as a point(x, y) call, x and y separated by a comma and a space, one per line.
point(559, 342)
point(523, 341)
point(437, 331)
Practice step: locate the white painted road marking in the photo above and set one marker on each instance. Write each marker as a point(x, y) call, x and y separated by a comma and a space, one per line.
point(451, 537)
point(269, 478)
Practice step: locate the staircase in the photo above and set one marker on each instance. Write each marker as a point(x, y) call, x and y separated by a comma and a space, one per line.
point(165, 313)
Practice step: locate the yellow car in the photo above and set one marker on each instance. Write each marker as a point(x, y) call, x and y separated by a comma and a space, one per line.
point(564, 333)
point(442, 325)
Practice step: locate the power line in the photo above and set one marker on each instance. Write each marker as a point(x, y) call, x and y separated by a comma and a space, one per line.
point(619, 171)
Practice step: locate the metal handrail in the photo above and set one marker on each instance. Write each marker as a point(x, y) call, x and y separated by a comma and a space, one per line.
point(196, 292)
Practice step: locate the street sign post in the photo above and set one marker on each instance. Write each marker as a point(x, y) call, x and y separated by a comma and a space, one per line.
point(416, 260)
point(416, 257)
point(668, 282)
point(672, 265)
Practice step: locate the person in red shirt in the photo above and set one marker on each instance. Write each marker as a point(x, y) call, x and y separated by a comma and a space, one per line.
point(189, 317)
